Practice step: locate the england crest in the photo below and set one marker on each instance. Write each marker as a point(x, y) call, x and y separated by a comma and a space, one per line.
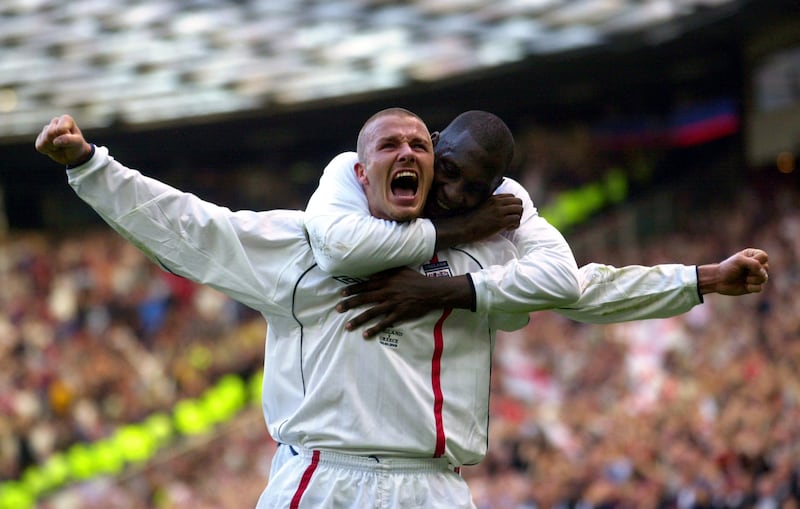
point(437, 269)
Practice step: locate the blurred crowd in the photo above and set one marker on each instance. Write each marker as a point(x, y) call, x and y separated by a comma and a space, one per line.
point(696, 411)
point(93, 336)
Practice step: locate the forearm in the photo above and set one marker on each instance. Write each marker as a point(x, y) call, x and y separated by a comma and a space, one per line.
point(610, 294)
point(178, 231)
point(452, 231)
point(364, 245)
point(346, 239)
point(456, 292)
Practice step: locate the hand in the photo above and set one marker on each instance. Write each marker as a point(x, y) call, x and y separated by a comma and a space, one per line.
point(744, 272)
point(62, 141)
point(402, 294)
point(499, 213)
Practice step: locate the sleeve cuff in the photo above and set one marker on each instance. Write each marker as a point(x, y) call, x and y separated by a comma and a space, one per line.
point(91, 155)
point(474, 305)
point(697, 283)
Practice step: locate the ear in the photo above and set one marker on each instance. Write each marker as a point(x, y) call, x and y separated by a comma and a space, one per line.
point(361, 173)
point(435, 137)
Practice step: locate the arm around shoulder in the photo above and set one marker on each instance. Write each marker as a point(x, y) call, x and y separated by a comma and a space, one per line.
point(346, 239)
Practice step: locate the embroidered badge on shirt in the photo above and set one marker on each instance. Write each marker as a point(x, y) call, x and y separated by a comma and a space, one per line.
point(437, 269)
point(390, 338)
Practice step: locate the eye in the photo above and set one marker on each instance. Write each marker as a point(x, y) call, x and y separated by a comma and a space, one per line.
point(450, 170)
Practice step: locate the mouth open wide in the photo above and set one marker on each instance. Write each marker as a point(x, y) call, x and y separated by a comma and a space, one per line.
point(405, 185)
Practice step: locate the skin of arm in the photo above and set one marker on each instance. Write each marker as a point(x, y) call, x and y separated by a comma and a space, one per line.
point(742, 273)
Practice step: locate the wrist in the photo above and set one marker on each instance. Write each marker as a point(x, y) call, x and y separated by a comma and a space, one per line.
point(707, 278)
point(451, 231)
point(84, 158)
point(455, 292)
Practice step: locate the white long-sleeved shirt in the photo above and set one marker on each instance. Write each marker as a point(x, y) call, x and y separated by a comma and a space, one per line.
point(347, 239)
point(421, 389)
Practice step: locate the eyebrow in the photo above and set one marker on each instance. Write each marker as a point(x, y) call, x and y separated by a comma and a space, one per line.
point(398, 137)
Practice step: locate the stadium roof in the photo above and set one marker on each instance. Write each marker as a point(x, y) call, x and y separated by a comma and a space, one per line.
point(154, 61)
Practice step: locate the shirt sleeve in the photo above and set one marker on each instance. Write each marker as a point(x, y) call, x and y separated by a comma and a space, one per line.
point(346, 239)
point(610, 294)
point(238, 253)
point(545, 276)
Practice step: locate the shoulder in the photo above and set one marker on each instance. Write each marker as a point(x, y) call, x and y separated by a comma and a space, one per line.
point(509, 185)
point(345, 161)
point(494, 250)
point(271, 225)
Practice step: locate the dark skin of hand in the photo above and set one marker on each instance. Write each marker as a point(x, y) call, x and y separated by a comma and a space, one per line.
point(402, 294)
point(499, 213)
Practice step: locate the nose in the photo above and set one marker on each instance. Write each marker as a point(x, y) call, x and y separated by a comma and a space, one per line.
point(459, 198)
point(406, 153)
point(454, 193)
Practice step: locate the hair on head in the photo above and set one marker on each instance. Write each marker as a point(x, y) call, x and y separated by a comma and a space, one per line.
point(489, 131)
point(362, 134)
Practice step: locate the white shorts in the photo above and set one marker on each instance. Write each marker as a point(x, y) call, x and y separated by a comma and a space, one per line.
point(322, 479)
point(281, 456)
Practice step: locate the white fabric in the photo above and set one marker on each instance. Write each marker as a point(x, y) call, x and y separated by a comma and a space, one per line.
point(616, 294)
point(339, 481)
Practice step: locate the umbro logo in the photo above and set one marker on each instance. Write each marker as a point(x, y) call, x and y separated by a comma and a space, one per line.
point(348, 280)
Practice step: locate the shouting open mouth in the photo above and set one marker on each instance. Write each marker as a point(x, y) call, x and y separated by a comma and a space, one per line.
point(405, 184)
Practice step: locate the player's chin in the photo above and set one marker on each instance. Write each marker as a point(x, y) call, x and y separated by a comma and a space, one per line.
point(404, 214)
point(434, 210)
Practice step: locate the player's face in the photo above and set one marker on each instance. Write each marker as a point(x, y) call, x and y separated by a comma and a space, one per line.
point(465, 174)
point(398, 167)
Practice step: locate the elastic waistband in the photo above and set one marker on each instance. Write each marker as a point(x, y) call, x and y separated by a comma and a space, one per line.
point(382, 463)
